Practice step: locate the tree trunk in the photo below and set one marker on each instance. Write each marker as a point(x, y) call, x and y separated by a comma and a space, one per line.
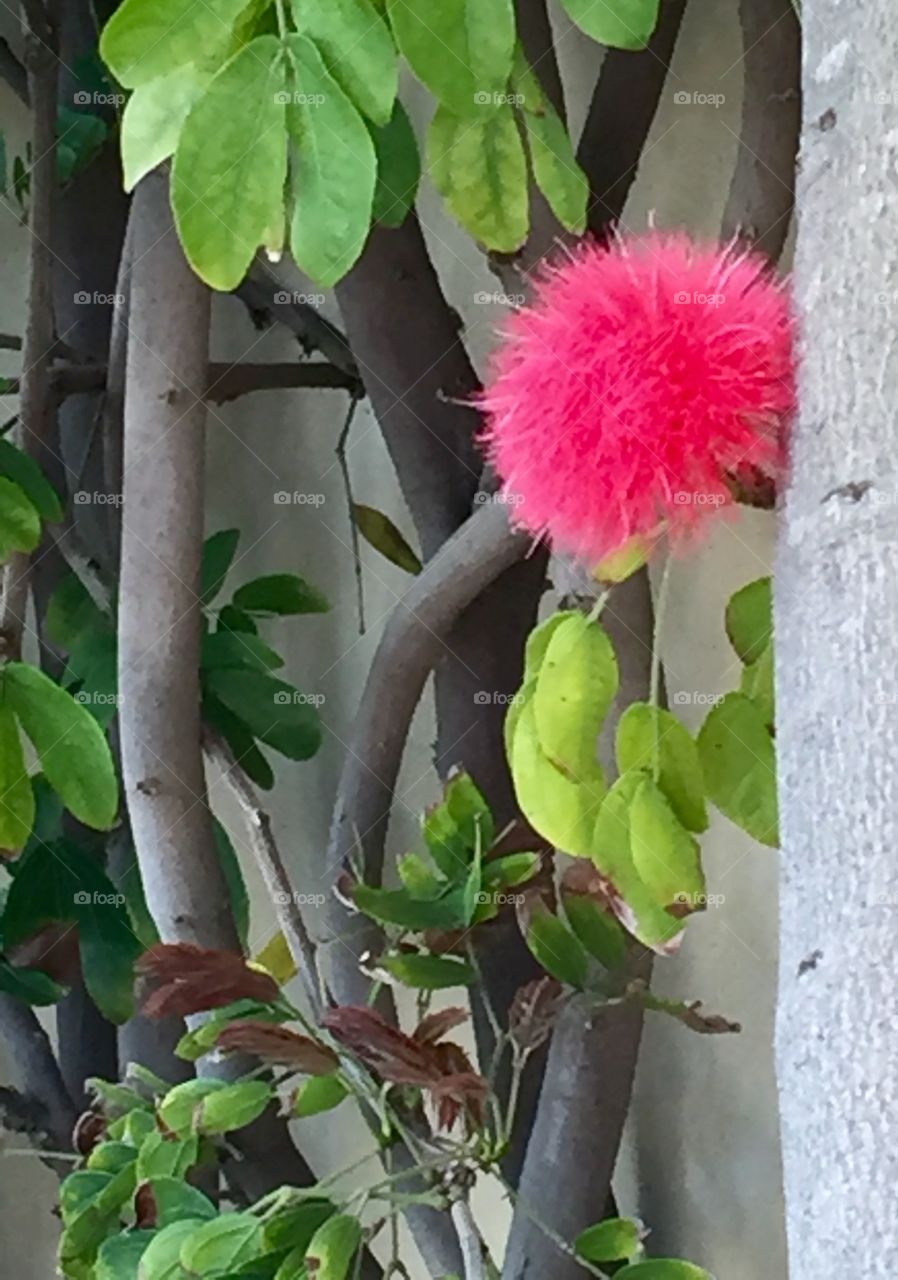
point(836, 609)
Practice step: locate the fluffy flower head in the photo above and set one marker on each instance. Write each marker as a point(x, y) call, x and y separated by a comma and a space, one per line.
point(637, 384)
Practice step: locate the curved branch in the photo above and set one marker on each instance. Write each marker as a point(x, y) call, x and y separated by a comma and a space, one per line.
point(36, 1074)
point(762, 194)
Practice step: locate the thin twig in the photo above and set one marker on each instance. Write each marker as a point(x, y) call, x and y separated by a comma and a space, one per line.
point(272, 867)
point(350, 502)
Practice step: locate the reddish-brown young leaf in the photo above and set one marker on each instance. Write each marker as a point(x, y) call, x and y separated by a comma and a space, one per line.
point(90, 1130)
point(145, 1207)
point(533, 1012)
point(435, 1025)
point(180, 979)
point(278, 1045)
point(52, 949)
point(395, 1056)
point(453, 1095)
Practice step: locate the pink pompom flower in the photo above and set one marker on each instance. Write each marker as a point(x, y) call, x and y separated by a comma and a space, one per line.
point(635, 387)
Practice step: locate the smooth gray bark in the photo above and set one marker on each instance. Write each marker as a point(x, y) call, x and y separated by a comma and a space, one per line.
point(837, 666)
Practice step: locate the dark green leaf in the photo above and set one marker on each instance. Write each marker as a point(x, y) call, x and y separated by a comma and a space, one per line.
point(461, 49)
point(236, 649)
point(19, 467)
point(512, 870)
point(31, 986)
point(430, 973)
point(232, 619)
point(597, 929)
point(273, 711)
point(749, 619)
point(458, 825)
point(17, 807)
point(399, 907)
point(110, 1157)
point(78, 1190)
point(622, 24)
point(358, 50)
point(480, 169)
point(72, 614)
point(739, 762)
point(398, 169)
point(233, 874)
point(381, 533)
point(334, 171)
point(218, 555)
point(283, 594)
point(119, 1257)
point(240, 740)
point(231, 165)
point(556, 948)
point(294, 1226)
point(73, 751)
point(20, 524)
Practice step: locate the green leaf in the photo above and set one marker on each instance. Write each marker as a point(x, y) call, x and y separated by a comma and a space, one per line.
point(513, 869)
point(380, 532)
point(231, 165)
point(334, 170)
point(555, 167)
point(18, 466)
point(665, 856)
point(739, 762)
point(621, 24)
point(148, 38)
point(556, 948)
point(398, 169)
point(73, 751)
point(179, 1109)
point(610, 1241)
point(153, 118)
point(333, 1247)
point(72, 614)
point(561, 810)
point(110, 1157)
point(317, 1094)
point(20, 524)
point(460, 49)
point(176, 1201)
point(418, 876)
point(426, 972)
point(223, 1245)
point(31, 986)
point(81, 135)
point(240, 740)
point(577, 682)
point(663, 1269)
point(749, 619)
point(294, 1226)
point(644, 732)
point(233, 1107)
point(293, 1267)
point(597, 929)
point(161, 1259)
point(218, 556)
point(358, 51)
point(223, 649)
point(480, 169)
point(17, 807)
point(78, 1190)
point(758, 685)
point(161, 1156)
point(233, 874)
point(272, 710)
point(399, 907)
point(283, 594)
point(119, 1257)
point(233, 619)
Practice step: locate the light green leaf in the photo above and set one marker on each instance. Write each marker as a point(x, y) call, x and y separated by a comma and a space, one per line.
point(758, 685)
point(17, 807)
point(180, 1107)
point(357, 48)
point(644, 732)
point(110, 1157)
point(610, 1241)
point(461, 49)
point(273, 711)
point(233, 1107)
point(231, 165)
point(223, 1245)
point(665, 856)
point(540, 638)
point(161, 1258)
point(621, 24)
point(20, 467)
point(317, 1094)
point(555, 168)
point(284, 594)
point(398, 168)
point(73, 750)
point(556, 948)
point(418, 876)
point(480, 169)
point(161, 1156)
point(381, 533)
point(739, 762)
point(334, 171)
point(426, 972)
point(20, 524)
point(577, 683)
point(663, 1269)
point(119, 1256)
point(458, 825)
point(512, 870)
point(333, 1247)
point(218, 555)
point(153, 118)
point(749, 619)
point(148, 38)
point(78, 1189)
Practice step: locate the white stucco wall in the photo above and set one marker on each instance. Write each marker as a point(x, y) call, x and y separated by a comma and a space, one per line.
point(702, 1163)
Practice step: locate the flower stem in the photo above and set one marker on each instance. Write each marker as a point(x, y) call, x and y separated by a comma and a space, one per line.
point(655, 683)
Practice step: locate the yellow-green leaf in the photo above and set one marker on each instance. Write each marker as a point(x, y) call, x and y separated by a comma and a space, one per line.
point(561, 810)
point(16, 795)
point(555, 168)
point(20, 524)
point(739, 762)
point(479, 167)
point(148, 38)
point(358, 49)
point(577, 682)
point(665, 856)
point(647, 735)
point(461, 49)
point(153, 118)
point(381, 533)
